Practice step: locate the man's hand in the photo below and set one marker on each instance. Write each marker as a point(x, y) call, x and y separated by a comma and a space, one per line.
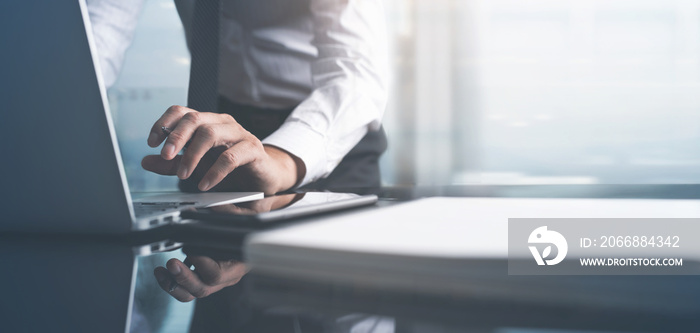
point(219, 152)
point(208, 277)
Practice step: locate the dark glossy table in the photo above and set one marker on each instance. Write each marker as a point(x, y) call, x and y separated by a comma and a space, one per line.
point(99, 283)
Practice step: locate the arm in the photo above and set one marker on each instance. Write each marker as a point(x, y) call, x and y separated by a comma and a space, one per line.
point(348, 100)
point(113, 24)
point(350, 86)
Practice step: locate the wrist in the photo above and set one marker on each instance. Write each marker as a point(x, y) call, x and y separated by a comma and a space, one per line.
point(289, 169)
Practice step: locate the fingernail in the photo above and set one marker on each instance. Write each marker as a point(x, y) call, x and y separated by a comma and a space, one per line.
point(152, 138)
point(174, 269)
point(182, 173)
point(204, 185)
point(169, 150)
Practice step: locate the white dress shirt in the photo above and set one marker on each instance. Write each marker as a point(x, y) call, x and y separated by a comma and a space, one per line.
point(328, 57)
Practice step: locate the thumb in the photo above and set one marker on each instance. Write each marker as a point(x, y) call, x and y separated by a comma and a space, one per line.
point(155, 163)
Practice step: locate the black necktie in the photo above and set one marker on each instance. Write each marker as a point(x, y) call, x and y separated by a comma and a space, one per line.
point(204, 47)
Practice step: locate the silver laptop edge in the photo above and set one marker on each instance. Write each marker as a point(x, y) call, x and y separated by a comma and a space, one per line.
point(108, 114)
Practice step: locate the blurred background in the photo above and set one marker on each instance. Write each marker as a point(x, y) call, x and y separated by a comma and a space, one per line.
point(483, 92)
point(491, 91)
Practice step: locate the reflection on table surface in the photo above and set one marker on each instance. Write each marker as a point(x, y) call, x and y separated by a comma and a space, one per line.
point(94, 283)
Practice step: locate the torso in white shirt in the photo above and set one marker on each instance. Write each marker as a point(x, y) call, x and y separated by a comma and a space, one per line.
point(266, 51)
point(326, 58)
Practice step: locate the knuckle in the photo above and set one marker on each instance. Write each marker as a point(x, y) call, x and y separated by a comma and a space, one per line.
point(200, 292)
point(227, 118)
point(176, 109)
point(193, 117)
point(207, 132)
point(182, 279)
point(229, 157)
point(177, 137)
point(254, 144)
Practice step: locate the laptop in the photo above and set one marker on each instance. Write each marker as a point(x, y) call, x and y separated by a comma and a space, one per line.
point(61, 166)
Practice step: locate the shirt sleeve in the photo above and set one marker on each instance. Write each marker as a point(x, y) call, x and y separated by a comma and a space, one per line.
point(113, 24)
point(350, 84)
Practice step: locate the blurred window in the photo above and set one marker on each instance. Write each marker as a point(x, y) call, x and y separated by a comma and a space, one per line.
point(544, 91)
point(492, 91)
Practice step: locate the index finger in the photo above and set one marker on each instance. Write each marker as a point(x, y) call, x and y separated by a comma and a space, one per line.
point(166, 282)
point(168, 120)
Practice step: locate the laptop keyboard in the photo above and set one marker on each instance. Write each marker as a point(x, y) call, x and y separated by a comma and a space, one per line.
point(149, 208)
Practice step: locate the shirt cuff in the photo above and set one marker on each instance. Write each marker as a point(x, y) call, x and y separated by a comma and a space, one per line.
point(300, 140)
